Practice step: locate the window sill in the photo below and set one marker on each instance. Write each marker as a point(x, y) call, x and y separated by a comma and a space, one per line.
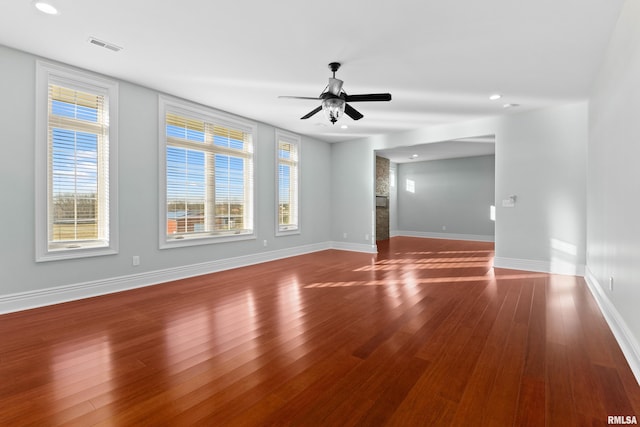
point(204, 240)
point(73, 253)
point(293, 231)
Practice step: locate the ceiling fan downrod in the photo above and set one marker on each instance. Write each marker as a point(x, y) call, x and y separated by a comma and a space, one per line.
point(334, 66)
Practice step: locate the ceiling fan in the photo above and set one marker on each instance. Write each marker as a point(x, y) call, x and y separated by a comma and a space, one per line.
point(334, 99)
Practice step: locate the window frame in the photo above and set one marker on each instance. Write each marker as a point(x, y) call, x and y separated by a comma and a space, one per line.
point(295, 140)
point(169, 104)
point(68, 77)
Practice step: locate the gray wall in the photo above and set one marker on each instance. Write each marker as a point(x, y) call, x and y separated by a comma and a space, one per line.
point(451, 197)
point(138, 193)
point(540, 157)
point(613, 208)
point(393, 199)
point(353, 195)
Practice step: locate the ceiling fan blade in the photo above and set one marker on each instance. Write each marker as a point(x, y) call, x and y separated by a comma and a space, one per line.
point(299, 97)
point(311, 113)
point(368, 97)
point(335, 86)
point(352, 112)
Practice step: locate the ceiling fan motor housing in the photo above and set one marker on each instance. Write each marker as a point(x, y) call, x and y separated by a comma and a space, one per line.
point(334, 99)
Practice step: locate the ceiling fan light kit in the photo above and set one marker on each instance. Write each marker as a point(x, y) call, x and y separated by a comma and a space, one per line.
point(333, 109)
point(334, 99)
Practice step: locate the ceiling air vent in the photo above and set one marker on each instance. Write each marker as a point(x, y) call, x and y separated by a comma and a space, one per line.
point(104, 44)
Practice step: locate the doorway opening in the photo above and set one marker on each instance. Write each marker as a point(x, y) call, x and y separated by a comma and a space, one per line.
point(438, 190)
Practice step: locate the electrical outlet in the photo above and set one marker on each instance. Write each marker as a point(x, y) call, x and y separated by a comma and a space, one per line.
point(135, 261)
point(264, 243)
point(344, 235)
point(510, 202)
point(444, 228)
point(366, 237)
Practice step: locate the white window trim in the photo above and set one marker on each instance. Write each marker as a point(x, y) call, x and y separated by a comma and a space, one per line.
point(45, 72)
point(176, 105)
point(294, 139)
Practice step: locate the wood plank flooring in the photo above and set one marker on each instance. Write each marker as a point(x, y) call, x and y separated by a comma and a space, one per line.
point(426, 333)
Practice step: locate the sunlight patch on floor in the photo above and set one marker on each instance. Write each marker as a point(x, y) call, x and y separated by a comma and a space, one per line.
point(424, 281)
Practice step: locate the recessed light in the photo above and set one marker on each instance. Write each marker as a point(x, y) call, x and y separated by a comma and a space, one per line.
point(344, 127)
point(414, 156)
point(510, 105)
point(45, 7)
point(495, 96)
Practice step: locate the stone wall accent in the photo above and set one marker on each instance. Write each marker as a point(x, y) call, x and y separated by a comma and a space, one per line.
point(382, 190)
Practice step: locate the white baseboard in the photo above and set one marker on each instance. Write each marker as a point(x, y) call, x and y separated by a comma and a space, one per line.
point(539, 266)
point(43, 297)
point(354, 247)
point(626, 340)
point(449, 236)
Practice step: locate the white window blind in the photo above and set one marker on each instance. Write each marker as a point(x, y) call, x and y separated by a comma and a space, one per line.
point(208, 164)
point(287, 159)
point(76, 149)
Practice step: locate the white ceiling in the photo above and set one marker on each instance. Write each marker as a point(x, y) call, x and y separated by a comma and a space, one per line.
point(439, 59)
point(464, 147)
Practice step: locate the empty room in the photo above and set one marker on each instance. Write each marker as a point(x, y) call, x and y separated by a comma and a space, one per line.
point(330, 214)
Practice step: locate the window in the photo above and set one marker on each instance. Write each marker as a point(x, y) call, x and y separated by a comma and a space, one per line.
point(207, 189)
point(76, 203)
point(287, 161)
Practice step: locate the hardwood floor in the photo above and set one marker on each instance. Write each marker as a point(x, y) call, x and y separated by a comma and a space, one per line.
point(426, 333)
